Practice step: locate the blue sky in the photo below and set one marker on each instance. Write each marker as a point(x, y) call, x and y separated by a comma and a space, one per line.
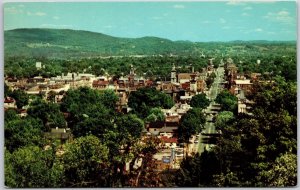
point(194, 21)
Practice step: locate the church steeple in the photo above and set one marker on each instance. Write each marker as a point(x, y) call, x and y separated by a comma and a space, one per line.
point(173, 74)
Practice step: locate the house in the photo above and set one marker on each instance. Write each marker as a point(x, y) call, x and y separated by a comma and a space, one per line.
point(242, 84)
point(184, 77)
point(169, 142)
point(62, 134)
point(100, 84)
point(9, 102)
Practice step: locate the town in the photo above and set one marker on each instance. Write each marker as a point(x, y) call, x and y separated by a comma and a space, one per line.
point(181, 88)
point(150, 94)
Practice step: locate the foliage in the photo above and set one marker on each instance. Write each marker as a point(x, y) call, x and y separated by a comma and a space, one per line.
point(199, 101)
point(155, 115)
point(198, 170)
point(10, 115)
point(191, 123)
point(32, 167)
point(254, 149)
point(85, 162)
point(21, 98)
point(210, 80)
point(85, 103)
point(224, 118)
point(142, 100)
point(7, 91)
point(49, 113)
point(283, 172)
point(145, 175)
point(227, 100)
point(22, 132)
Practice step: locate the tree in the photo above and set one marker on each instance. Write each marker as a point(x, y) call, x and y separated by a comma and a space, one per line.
point(92, 126)
point(191, 123)
point(10, 115)
point(51, 96)
point(85, 163)
point(145, 175)
point(109, 99)
point(227, 100)
point(49, 113)
point(32, 167)
point(224, 118)
point(7, 91)
point(155, 115)
point(283, 172)
point(142, 100)
point(85, 102)
point(199, 101)
point(21, 98)
point(22, 132)
point(198, 171)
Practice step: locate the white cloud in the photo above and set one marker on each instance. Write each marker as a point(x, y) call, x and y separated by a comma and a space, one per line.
point(139, 23)
point(247, 8)
point(258, 30)
point(56, 17)
point(36, 13)
point(235, 2)
point(108, 26)
point(40, 14)
point(281, 16)
point(222, 20)
point(156, 18)
point(225, 27)
point(56, 25)
point(12, 10)
point(178, 6)
point(245, 14)
point(206, 22)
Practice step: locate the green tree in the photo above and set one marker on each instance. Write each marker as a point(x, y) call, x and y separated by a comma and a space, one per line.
point(49, 113)
point(155, 115)
point(22, 132)
point(191, 123)
point(199, 101)
point(109, 99)
point(32, 167)
point(85, 163)
point(227, 100)
point(85, 102)
point(10, 115)
point(198, 171)
point(224, 118)
point(142, 100)
point(21, 98)
point(283, 172)
point(7, 91)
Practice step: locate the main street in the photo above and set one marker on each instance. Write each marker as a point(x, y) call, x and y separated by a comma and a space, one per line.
point(211, 110)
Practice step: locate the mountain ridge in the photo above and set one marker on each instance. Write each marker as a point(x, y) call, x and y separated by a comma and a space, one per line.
point(66, 43)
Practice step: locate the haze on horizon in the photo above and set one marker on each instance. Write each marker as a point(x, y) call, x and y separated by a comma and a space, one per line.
point(192, 21)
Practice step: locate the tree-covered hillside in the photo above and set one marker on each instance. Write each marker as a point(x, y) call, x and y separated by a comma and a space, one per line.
point(63, 43)
point(66, 44)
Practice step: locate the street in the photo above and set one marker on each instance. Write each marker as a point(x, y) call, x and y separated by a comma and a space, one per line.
point(210, 112)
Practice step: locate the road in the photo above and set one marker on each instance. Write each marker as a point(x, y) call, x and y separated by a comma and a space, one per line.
point(209, 125)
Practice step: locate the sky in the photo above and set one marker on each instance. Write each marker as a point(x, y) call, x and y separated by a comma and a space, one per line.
point(192, 21)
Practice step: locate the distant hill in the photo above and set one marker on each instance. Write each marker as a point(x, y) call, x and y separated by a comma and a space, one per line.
point(62, 43)
point(65, 43)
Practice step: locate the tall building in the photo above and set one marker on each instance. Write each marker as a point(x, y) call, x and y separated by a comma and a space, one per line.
point(173, 74)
